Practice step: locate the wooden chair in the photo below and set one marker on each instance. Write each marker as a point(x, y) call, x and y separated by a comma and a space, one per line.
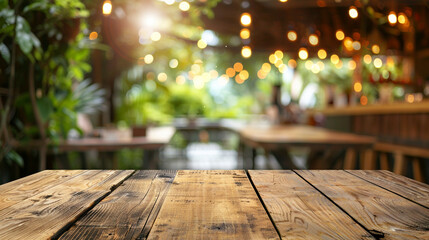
point(401, 155)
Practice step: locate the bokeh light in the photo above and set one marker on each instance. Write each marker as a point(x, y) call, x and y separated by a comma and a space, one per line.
point(375, 49)
point(303, 53)
point(148, 59)
point(162, 77)
point(107, 7)
point(367, 59)
point(339, 34)
point(335, 59)
point(201, 44)
point(184, 6)
point(246, 19)
point(292, 36)
point(246, 52)
point(313, 39)
point(378, 63)
point(173, 63)
point(238, 67)
point(353, 12)
point(357, 87)
point(93, 35)
point(322, 54)
point(392, 18)
point(245, 33)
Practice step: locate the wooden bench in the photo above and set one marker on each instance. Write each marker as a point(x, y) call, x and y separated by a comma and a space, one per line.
point(400, 153)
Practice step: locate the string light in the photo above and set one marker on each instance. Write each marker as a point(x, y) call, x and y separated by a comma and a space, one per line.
point(335, 59)
point(107, 7)
point(303, 53)
point(245, 33)
point(246, 19)
point(353, 12)
point(246, 52)
point(292, 36)
point(313, 39)
point(184, 6)
point(93, 35)
point(392, 18)
point(378, 63)
point(375, 49)
point(367, 59)
point(339, 35)
point(402, 19)
point(322, 54)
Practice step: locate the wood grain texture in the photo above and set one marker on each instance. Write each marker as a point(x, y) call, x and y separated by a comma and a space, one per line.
point(45, 214)
point(19, 190)
point(129, 212)
point(301, 212)
point(378, 210)
point(406, 187)
point(212, 205)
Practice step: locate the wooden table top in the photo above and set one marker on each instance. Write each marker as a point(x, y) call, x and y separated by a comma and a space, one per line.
point(301, 135)
point(155, 138)
point(231, 204)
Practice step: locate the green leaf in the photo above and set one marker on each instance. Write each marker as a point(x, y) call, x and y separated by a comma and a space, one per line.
point(12, 156)
point(24, 42)
point(3, 4)
point(41, 5)
point(5, 53)
point(45, 108)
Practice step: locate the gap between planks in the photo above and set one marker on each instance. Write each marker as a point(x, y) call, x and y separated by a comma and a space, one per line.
point(375, 234)
point(386, 188)
point(262, 202)
point(83, 213)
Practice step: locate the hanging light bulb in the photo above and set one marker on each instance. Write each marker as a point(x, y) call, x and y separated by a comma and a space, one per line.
point(107, 7)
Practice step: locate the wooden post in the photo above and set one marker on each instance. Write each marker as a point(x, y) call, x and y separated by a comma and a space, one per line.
point(350, 159)
point(399, 166)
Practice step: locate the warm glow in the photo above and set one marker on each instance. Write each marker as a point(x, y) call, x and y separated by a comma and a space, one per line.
point(230, 72)
point(283, 1)
point(173, 63)
point(155, 36)
point(348, 43)
point(245, 19)
point(292, 36)
point(278, 62)
point(352, 65)
point(367, 59)
point(213, 74)
point(363, 100)
point(201, 44)
point(308, 64)
point(335, 59)
point(107, 7)
point(162, 77)
point(303, 54)
point(223, 80)
point(246, 52)
point(93, 35)
point(322, 54)
point(282, 67)
point(321, 65)
point(410, 98)
point(353, 12)
point(261, 74)
point(244, 75)
point(340, 35)
point(272, 58)
point(184, 6)
point(356, 45)
point(402, 19)
point(238, 67)
point(339, 64)
point(238, 79)
point(375, 49)
point(245, 33)
point(291, 63)
point(378, 63)
point(278, 54)
point(313, 39)
point(148, 59)
point(315, 68)
point(392, 18)
point(357, 87)
point(266, 67)
point(169, 2)
point(180, 80)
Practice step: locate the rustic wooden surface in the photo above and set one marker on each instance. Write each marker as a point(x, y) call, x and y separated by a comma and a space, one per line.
point(129, 212)
point(214, 205)
point(235, 204)
point(380, 211)
point(43, 215)
point(408, 188)
point(301, 212)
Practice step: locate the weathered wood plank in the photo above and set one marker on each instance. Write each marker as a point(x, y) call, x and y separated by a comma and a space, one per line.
point(301, 212)
point(406, 187)
point(44, 215)
point(127, 213)
point(212, 205)
point(19, 190)
point(381, 212)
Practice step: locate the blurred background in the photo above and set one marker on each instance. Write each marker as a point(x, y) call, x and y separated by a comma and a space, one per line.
point(73, 69)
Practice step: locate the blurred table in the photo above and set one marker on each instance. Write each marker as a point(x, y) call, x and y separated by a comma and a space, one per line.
point(155, 139)
point(277, 139)
point(235, 204)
